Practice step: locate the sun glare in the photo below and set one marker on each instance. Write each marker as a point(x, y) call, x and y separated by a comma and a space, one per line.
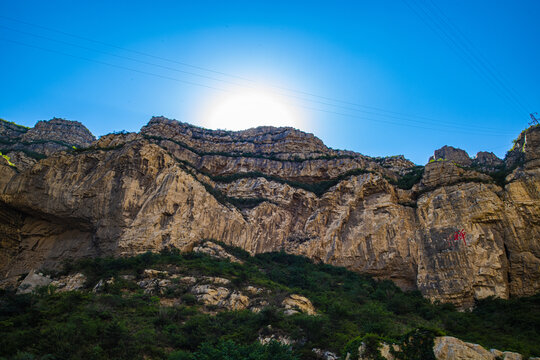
point(250, 109)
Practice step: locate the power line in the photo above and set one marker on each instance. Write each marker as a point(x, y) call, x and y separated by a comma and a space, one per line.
point(451, 42)
point(225, 90)
point(437, 25)
point(376, 112)
point(473, 60)
point(489, 66)
point(482, 62)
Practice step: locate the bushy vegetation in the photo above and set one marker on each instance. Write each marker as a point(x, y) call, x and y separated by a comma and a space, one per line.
point(21, 128)
point(515, 142)
point(498, 173)
point(318, 188)
point(123, 322)
point(228, 350)
point(7, 159)
point(408, 180)
point(31, 154)
point(76, 150)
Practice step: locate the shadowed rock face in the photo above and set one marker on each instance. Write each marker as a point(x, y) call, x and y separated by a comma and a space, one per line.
point(267, 189)
point(484, 158)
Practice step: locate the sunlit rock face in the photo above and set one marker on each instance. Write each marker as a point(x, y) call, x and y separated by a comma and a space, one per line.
point(453, 154)
point(26, 146)
point(456, 235)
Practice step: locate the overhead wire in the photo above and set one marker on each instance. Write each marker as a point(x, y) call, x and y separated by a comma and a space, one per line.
point(228, 91)
point(481, 63)
point(389, 114)
point(432, 20)
point(482, 59)
point(453, 45)
point(235, 83)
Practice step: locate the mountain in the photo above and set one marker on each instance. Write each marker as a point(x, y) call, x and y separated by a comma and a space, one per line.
point(457, 229)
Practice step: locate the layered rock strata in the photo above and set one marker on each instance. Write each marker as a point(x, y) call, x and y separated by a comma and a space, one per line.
point(457, 235)
point(25, 146)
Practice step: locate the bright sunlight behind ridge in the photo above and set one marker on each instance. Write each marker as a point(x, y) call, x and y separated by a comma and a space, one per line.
point(243, 110)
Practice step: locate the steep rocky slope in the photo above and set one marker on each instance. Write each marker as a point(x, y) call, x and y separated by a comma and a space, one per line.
point(25, 146)
point(158, 305)
point(465, 230)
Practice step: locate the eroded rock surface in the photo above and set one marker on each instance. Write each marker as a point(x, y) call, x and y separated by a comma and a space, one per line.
point(457, 235)
point(44, 139)
point(214, 250)
point(295, 303)
point(32, 281)
point(69, 282)
point(452, 154)
point(447, 348)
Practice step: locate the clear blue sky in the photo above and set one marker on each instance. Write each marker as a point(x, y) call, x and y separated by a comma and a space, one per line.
point(410, 75)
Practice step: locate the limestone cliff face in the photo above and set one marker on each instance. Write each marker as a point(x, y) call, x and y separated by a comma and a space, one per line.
point(28, 145)
point(456, 235)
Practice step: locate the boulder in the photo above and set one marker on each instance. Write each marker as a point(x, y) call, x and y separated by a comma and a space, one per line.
point(188, 280)
point(70, 282)
point(216, 280)
point(325, 355)
point(252, 290)
point(295, 303)
point(32, 281)
point(257, 305)
point(151, 273)
point(509, 355)
point(236, 301)
point(451, 348)
point(210, 294)
point(101, 284)
point(215, 250)
point(384, 351)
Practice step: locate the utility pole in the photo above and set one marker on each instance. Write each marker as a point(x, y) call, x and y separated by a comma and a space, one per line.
point(534, 119)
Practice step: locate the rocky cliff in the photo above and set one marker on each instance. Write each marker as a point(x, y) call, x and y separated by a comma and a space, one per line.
point(456, 229)
point(26, 146)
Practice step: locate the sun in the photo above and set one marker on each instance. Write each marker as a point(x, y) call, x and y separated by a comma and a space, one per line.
point(244, 110)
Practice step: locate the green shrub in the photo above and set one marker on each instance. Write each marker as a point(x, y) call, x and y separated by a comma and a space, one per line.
point(7, 159)
point(417, 344)
point(189, 299)
point(370, 344)
point(122, 322)
point(228, 350)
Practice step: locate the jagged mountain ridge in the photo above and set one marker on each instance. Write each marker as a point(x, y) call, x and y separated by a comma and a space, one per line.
point(267, 189)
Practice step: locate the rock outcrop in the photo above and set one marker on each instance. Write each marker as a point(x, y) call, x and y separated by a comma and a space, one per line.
point(453, 154)
point(457, 235)
point(296, 303)
point(214, 250)
point(448, 348)
point(72, 133)
point(28, 145)
point(174, 287)
point(69, 282)
point(32, 281)
point(487, 159)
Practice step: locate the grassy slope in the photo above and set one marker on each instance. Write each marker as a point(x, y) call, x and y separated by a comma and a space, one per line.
point(123, 322)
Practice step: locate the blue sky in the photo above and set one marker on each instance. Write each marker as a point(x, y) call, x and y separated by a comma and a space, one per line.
point(378, 77)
